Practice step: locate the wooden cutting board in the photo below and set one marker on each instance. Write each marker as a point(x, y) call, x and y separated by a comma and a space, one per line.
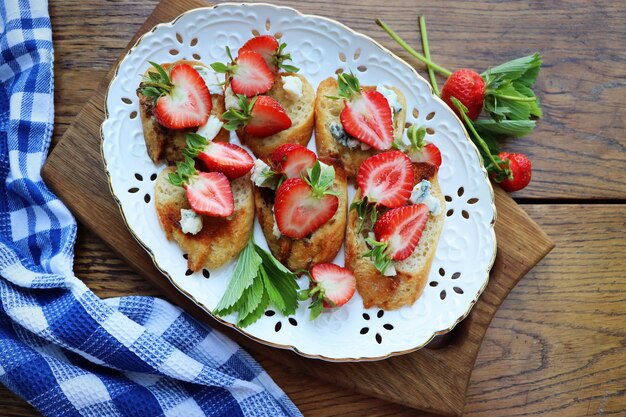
point(433, 379)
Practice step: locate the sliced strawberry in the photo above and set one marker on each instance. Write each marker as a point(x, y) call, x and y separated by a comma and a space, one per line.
point(402, 229)
point(386, 178)
point(337, 283)
point(227, 158)
point(209, 193)
point(368, 118)
point(298, 213)
point(429, 153)
point(292, 159)
point(264, 45)
point(251, 76)
point(267, 118)
point(187, 103)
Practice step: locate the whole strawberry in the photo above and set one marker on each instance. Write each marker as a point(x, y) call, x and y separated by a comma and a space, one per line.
point(520, 166)
point(469, 88)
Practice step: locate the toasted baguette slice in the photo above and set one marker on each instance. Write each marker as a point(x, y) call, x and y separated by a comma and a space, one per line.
point(221, 238)
point(323, 244)
point(168, 144)
point(391, 293)
point(300, 111)
point(327, 112)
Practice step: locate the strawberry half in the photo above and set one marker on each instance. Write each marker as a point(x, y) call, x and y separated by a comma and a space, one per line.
point(182, 99)
point(249, 74)
point(209, 193)
point(401, 228)
point(292, 160)
point(386, 179)
point(337, 284)
point(262, 116)
point(429, 153)
point(366, 115)
point(227, 158)
point(299, 211)
point(268, 47)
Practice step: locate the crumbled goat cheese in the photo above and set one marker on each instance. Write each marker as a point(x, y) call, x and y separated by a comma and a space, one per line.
point(190, 221)
point(211, 128)
point(421, 195)
point(292, 85)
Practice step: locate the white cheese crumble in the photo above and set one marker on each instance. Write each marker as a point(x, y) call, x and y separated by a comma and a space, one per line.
point(292, 85)
point(211, 128)
point(392, 98)
point(262, 175)
point(421, 195)
point(230, 99)
point(275, 229)
point(190, 221)
point(210, 79)
point(390, 271)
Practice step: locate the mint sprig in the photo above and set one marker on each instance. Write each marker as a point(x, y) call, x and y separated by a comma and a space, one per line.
point(320, 179)
point(378, 254)
point(185, 171)
point(258, 279)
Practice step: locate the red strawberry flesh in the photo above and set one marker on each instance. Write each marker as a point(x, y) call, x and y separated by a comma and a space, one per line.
point(252, 75)
point(268, 118)
point(337, 283)
point(402, 229)
point(386, 179)
point(429, 153)
point(368, 118)
point(210, 194)
point(188, 104)
point(293, 160)
point(297, 212)
point(227, 158)
point(520, 166)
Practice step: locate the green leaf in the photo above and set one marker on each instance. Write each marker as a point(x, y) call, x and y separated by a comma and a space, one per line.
point(316, 308)
point(289, 68)
point(220, 67)
point(347, 85)
point(256, 313)
point(524, 69)
point(378, 254)
point(321, 179)
point(195, 144)
point(416, 136)
point(164, 77)
point(279, 282)
point(514, 128)
point(251, 297)
point(245, 271)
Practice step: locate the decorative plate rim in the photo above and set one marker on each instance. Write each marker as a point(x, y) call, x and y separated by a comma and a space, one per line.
point(231, 325)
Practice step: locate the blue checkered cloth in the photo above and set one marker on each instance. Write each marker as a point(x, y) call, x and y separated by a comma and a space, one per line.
point(62, 349)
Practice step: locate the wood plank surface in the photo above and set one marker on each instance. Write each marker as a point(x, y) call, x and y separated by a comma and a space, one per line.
point(434, 380)
point(555, 348)
point(581, 85)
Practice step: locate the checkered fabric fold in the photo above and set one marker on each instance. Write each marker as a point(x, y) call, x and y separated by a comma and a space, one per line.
point(62, 349)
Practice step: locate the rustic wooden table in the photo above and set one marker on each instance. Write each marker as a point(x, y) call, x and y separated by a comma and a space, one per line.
point(557, 346)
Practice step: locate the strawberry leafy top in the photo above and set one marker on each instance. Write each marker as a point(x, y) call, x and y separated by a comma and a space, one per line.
point(280, 57)
point(378, 254)
point(347, 86)
point(185, 171)
point(320, 179)
point(236, 118)
point(155, 83)
point(195, 144)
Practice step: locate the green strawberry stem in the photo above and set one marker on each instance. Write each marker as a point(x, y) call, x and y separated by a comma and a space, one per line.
point(426, 48)
point(412, 51)
point(479, 140)
point(512, 98)
point(166, 87)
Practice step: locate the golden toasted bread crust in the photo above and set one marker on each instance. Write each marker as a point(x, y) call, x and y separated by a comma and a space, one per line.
point(391, 293)
point(323, 244)
point(299, 110)
point(221, 238)
point(327, 112)
point(163, 143)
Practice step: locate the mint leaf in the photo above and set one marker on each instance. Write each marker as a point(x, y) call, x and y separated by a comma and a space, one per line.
point(251, 297)
point(316, 307)
point(243, 277)
point(514, 128)
point(279, 282)
point(255, 314)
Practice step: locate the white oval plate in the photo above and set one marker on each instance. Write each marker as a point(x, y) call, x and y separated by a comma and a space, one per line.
point(319, 46)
